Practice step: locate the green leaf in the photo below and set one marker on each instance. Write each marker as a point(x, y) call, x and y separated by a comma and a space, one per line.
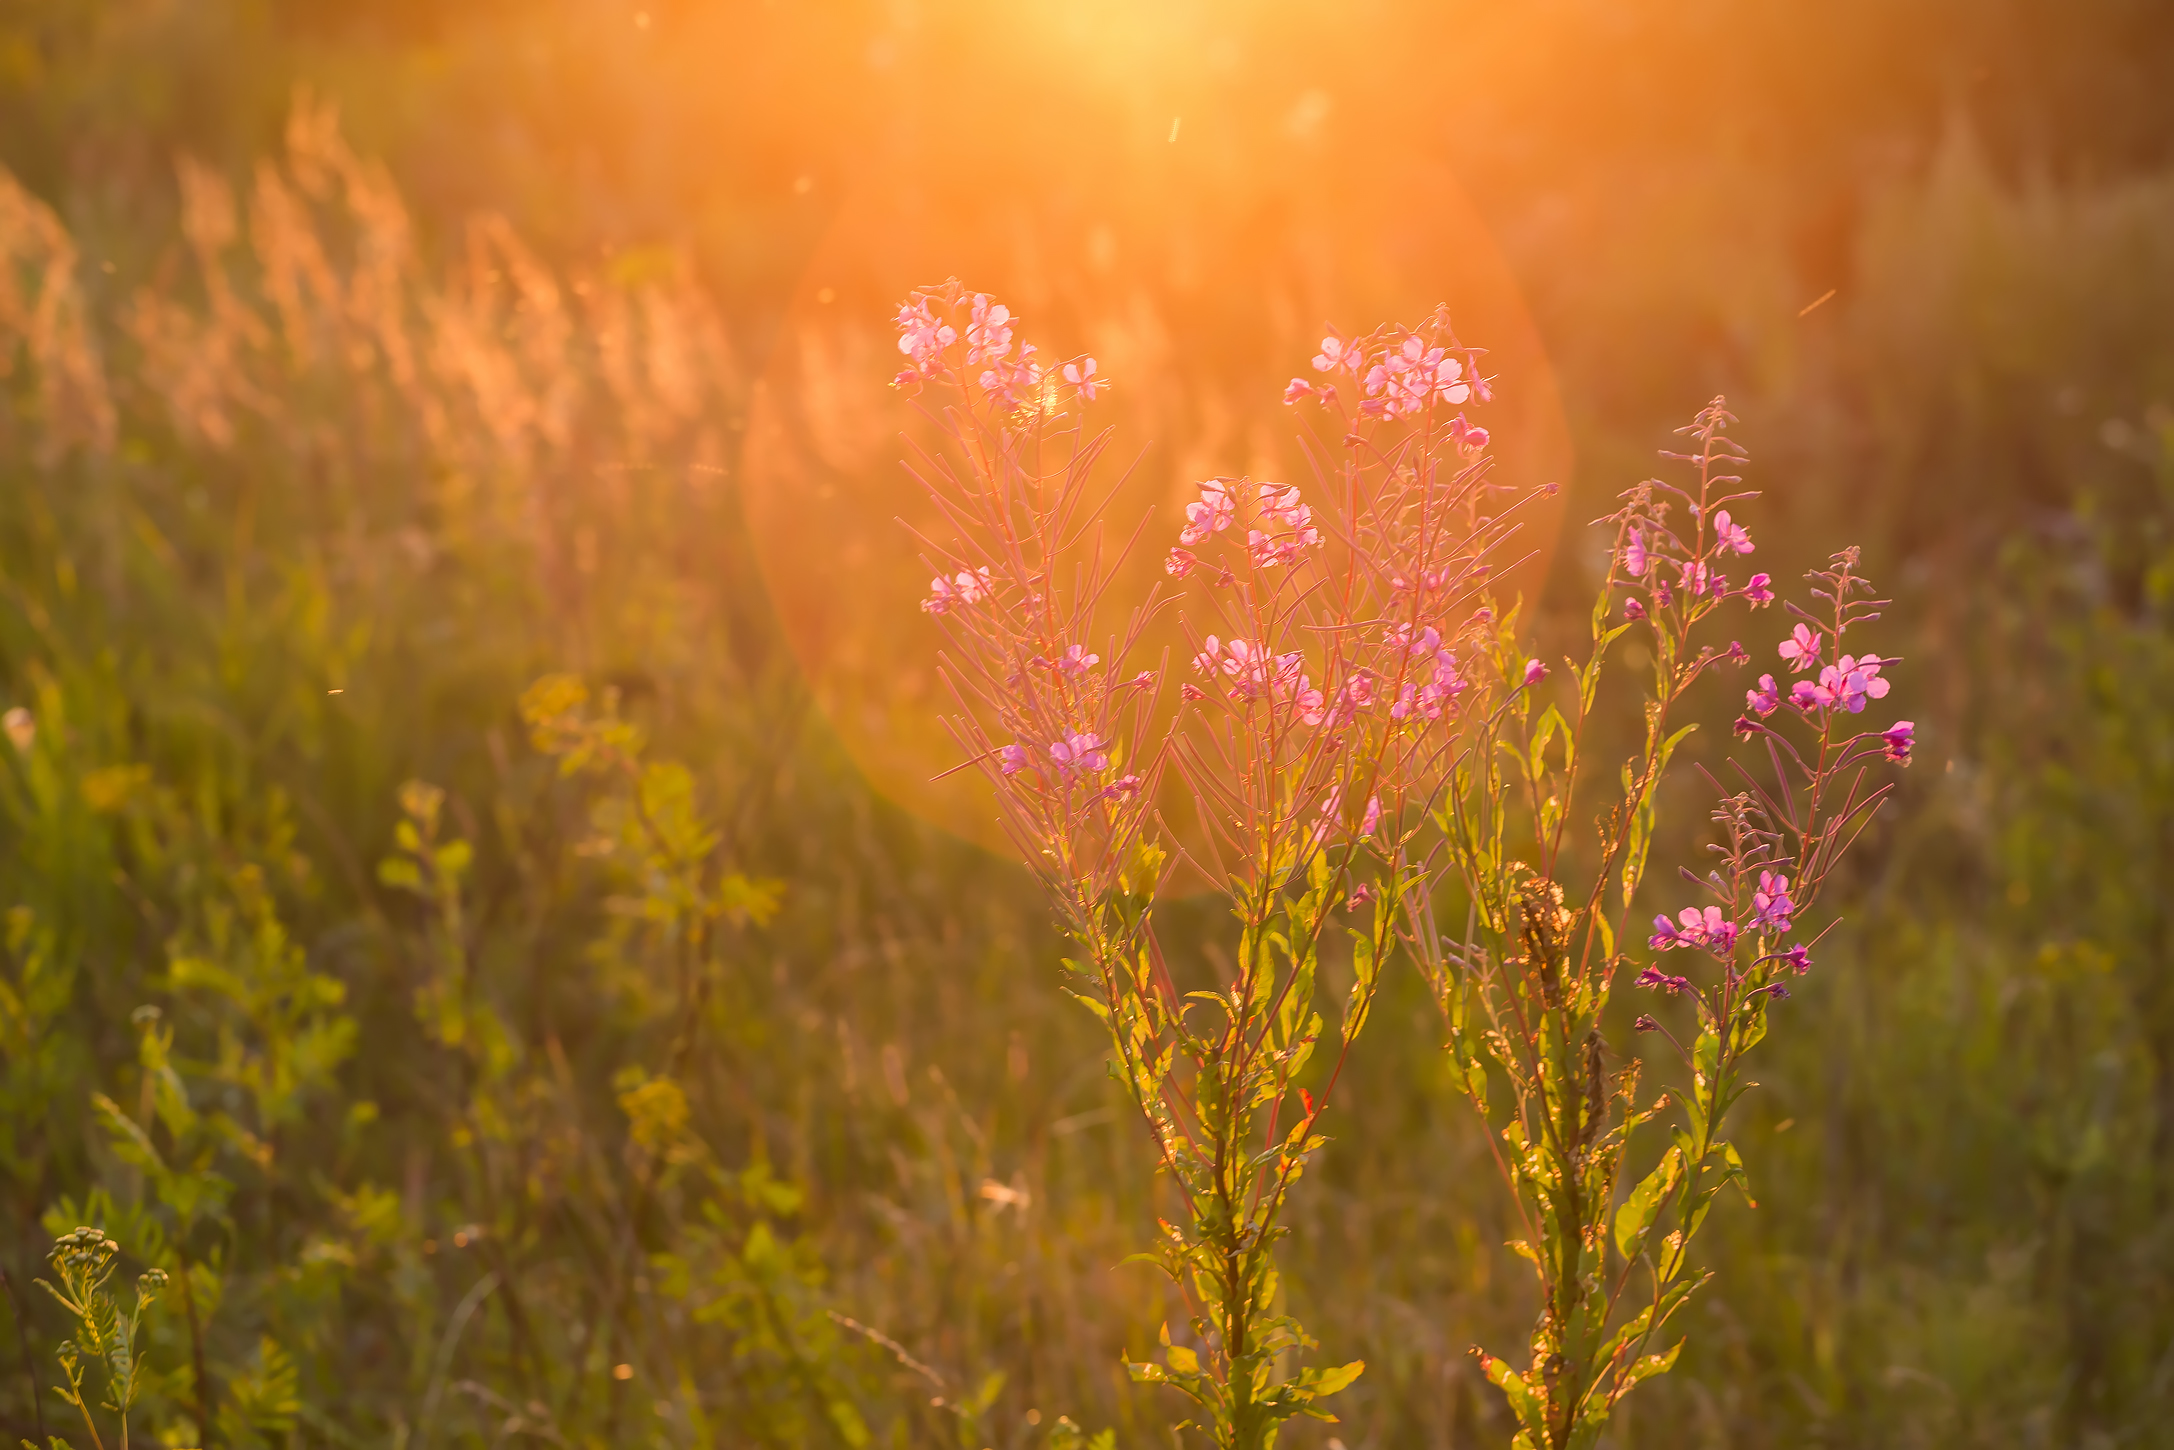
point(1319, 1383)
point(1635, 1218)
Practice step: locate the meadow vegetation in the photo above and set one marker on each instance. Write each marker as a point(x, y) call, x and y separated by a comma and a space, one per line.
point(444, 940)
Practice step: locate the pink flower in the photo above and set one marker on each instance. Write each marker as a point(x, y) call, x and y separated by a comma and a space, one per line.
point(1076, 660)
point(964, 587)
point(1807, 697)
point(1081, 752)
point(1011, 759)
point(1710, 929)
point(922, 338)
point(1731, 535)
point(1695, 576)
point(1535, 672)
point(1632, 609)
point(1470, 438)
point(1736, 654)
point(1209, 657)
point(1190, 691)
point(1899, 737)
point(1124, 788)
point(1634, 555)
point(1427, 641)
point(1770, 904)
point(1309, 703)
point(1011, 381)
point(1759, 590)
point(1798, 956)
point(1299, 390)
point(1853, 681)
point(1332, 810)
point(1081, 375)
point(989, 335)
point(1213, 514)
point(1180, 563)
point(1336, 355)
point(1765, 700)
point(1656, 978)
point(1801, 649)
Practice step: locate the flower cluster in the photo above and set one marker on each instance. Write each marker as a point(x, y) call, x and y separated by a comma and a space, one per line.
point(982, 355)
point(1401, 374)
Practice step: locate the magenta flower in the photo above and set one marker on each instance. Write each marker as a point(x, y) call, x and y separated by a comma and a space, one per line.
point(1180, 563)
point(1309, 703)
point(1800, 957)
point(1765, 700)
point(1081, 752)
point(1801, 649)
point(1535, 672)
point(1011, 759)
point(1076, 660)
point(1808, 697)
point(1337, 355)
point(1210, 657)
point(1759, 590)
point(1645, 1024)
point(989, 335)
point(1736, 654)
point(1770, 904)
point(964, 587)
point(1730, 534)
point(1634, 555)
point(1470, 438)
point(1298, 391)
point(1213, 514)
point(1899, 738)
point(923, 339)
point(1124, 788)
point(1695, 576)
point(1190, 691)
point(1710, 929)
point(1662, 594)
point(1632, 609)
point(1081, 375)
point(1656, 978)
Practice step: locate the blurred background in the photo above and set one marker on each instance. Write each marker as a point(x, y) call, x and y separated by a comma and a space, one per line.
point(364, 364)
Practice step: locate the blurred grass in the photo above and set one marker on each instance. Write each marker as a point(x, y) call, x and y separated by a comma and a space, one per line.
point(302, 439)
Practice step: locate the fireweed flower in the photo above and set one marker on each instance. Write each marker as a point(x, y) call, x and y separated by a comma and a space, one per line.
point(964, 587)
point(1766, 699)
point(1076, 661)
point(1081, 375)
point(1770, 904)
point(1731, 535)
point(1081, 752)
point(1801, 649)
point(1211, 515)
point(1654, 977)
point(1633, 609)
point(990, 336)
point(1337, 355)
point(1898, 738)
point(1759, 590)
point(1319, 641)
